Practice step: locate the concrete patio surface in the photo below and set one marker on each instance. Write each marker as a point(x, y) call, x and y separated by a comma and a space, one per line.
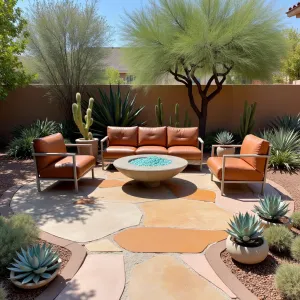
point(124, 225)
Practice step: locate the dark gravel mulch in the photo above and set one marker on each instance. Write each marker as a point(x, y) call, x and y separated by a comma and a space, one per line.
point(15, 293)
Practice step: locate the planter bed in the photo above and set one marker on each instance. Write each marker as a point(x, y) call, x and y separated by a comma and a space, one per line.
point(259, 278)
point(14, 293)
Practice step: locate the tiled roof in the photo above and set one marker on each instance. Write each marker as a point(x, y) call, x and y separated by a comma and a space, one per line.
point(114, 59)
point(295, 6)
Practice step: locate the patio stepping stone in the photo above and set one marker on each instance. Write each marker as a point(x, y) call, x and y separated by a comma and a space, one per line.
point(111, 183)
point(85, 223)
point(162, 240)
point(183, 213)
point(199, 263)
point(165, 278)
point(101, 276)
point(102, 246)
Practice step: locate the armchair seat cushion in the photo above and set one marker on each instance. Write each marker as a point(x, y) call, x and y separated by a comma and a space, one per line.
point(113, 152)
point(236, 169)
point(64, 167)
point(151, 150)
point(186, 152)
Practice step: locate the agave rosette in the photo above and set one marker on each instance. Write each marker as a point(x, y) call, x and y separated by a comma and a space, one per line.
point(245, 229)
point(39, 262)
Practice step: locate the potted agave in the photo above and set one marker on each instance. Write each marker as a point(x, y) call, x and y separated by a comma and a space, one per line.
point(224, 138)
point(35, 267)
point(272, 211)
point(85, 127)
point(245, 242)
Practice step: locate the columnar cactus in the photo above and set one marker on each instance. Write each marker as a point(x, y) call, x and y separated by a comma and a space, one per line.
point(159, 113)
point(77, 116)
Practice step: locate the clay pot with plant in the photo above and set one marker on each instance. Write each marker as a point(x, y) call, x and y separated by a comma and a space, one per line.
point(224, 138)
point(84, 127)
point(272, 210)
point(245, 242)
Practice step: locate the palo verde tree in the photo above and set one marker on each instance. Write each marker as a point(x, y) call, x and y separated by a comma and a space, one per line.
point(13, 40)
point(67, 39)
point(192, 39)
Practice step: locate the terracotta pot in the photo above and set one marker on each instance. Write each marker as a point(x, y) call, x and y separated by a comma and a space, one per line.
point(225, 150)
point(85, 150)
point(286, 221)
point(247, 255)
point(31, 286)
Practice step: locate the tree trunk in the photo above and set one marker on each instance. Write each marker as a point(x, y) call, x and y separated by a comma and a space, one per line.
point(203, 118)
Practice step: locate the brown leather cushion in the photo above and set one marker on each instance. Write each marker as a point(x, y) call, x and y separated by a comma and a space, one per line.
point(182, 136)
point(64, 167)
point(153, 136)
point(236, 169)
point(122, 136)
point(151, 150)
point(118, 151)
point(255, 145)
point(186, 152)
point(52, 144)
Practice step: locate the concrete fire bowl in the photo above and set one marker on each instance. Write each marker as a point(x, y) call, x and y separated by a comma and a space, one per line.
point(150, 175)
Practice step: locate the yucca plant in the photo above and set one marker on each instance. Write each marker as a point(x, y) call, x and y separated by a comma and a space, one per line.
point(271, 208)
point(224, 138)
point(245, 229)
point(39, 262)
point(112, 110)
point(288, 122)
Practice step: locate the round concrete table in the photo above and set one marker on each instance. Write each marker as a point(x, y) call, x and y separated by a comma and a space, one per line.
point(151, 176)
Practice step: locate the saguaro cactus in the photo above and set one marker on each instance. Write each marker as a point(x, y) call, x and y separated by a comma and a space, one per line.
point(159, 113)
point(77, 116)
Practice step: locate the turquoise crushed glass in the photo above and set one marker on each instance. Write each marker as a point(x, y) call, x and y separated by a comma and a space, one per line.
point(150, 161)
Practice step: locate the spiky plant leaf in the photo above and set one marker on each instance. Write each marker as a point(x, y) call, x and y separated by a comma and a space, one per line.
point(224, 138)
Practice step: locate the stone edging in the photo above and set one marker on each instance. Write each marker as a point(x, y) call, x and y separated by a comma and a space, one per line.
point(213, 256)
point(78, 252)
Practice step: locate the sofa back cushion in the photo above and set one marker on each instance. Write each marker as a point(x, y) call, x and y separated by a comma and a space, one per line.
point(122, 136)
point(255, 145)
point(182, 136)
point(50, 144)
point(153, 136)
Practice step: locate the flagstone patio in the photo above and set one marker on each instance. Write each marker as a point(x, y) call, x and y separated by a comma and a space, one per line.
point(141, 233)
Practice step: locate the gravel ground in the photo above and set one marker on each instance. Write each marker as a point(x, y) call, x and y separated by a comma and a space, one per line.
point(14, 293)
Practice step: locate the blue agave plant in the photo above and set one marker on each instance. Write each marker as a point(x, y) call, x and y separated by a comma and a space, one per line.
point(39, 262)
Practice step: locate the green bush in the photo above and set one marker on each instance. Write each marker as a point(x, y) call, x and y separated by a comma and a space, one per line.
point(16, 232)
point(3, 293)
point(287, 122)
point(279, 238)
point(296, 219)
point(295, 249)
point(287, 280)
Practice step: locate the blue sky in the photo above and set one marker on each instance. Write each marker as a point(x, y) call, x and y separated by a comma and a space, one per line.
point(114, 9)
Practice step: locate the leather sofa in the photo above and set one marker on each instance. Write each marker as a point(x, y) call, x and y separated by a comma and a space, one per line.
point(125, 141)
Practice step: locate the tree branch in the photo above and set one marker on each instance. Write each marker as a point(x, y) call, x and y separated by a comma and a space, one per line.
point(179, 77)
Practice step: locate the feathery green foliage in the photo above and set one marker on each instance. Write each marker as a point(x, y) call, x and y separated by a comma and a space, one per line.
point(296, 219)
point(279, 238)
point(247, 120)
point(113, 76)
point(224, 138)
point(13, 40)
point(16, 232)
point(112, 110)
point(271, 208)
point(191, 38)
point(37, 263)
point(295, 248)
point(287, 280)
point(245, 229)
point(67, 39)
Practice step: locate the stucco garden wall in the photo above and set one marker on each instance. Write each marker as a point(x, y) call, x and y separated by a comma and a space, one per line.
point(28, 104)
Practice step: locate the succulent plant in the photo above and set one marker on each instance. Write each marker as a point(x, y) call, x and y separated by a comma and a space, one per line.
point(271, 208)
point(37, 263)
point(224, 138)
point(245, 229)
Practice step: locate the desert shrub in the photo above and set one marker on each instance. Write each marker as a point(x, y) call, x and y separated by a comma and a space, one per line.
point(20, 147)
point(287, 122)
point(3, 293)
point(16, 232)
point(296, 219)
point(287, 280)
point(295, 249)
point(286, 160)
point(279, 238)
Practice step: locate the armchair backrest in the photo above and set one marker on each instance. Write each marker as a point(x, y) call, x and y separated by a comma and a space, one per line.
point(255, 145)
point(122, 136)
point(50, 144)
point(182, 136)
